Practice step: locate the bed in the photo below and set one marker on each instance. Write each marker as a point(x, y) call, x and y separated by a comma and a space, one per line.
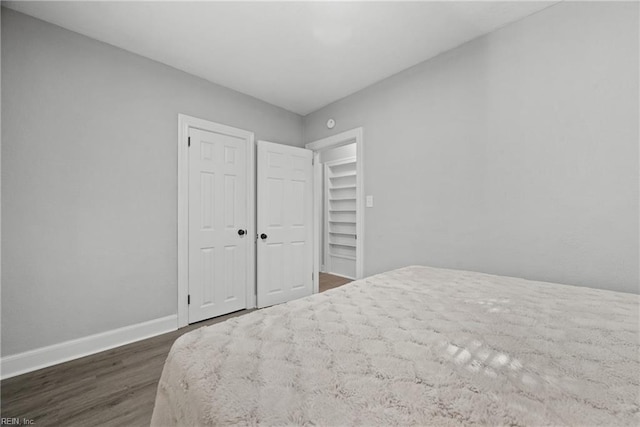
point(414, 346)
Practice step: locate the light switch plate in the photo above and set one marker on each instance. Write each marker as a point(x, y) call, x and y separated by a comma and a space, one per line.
point(369, 201)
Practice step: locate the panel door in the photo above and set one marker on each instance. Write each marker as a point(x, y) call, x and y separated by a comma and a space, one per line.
point(217, 223)
point(285, 221)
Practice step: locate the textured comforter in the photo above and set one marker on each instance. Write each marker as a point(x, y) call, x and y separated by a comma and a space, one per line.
point(415, 346)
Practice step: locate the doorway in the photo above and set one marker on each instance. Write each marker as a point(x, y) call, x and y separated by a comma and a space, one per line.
point(338, 207)
point(338, 234)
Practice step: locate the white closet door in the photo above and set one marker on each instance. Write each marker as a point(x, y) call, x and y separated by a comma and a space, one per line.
point(217, 224)
point(285, 222)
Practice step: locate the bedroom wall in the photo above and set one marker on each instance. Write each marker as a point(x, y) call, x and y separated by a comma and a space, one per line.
point(514, 154)
point(89, 180)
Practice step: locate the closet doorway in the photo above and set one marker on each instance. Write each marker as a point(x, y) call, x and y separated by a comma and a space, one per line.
point(338, 205)
point(218, 209)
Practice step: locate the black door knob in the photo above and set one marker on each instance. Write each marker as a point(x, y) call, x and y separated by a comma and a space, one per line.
point(242, 232)
point(263, 236)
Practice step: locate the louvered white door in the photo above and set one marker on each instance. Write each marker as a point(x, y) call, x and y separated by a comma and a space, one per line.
point(217, 224)
point(284, 216)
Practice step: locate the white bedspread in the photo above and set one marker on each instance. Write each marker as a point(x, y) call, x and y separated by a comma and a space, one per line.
point(414, 346)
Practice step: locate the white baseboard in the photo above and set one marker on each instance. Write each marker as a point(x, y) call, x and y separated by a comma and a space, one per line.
point(69, 350)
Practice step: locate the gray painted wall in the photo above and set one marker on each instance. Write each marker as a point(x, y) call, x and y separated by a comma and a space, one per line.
point(514, 154)
point(89, 180)
point(336, 153)
point(1, 9)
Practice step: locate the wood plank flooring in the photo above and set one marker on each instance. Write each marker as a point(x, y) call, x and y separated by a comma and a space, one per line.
point(113, 388)
point(330, 281)
point(116, 387)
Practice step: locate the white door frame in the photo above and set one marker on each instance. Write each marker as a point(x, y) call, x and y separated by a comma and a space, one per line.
point(344, 138)
point(184, 123)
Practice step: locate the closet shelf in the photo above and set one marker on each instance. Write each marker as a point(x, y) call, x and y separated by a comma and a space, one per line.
point(342, 233)
point(342, 210)
point(343, 198)
point(346, 245)
point(342, 175)
point(343, 256)
point(342, 187)
point(342, 222)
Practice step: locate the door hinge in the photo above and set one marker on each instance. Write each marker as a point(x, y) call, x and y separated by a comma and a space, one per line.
point(189, 142)
point(188, 299)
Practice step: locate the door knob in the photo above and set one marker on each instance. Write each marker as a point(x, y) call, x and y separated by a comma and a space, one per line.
point(263, 236)
point(242, 232)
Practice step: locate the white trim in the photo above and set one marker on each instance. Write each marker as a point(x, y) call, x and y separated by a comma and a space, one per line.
point(347, 137)
point(183, 219)
point(317, 210)
point(344, 138)
point(184, 123)
point(252, 289)
point(325, 222)
point(74, 349)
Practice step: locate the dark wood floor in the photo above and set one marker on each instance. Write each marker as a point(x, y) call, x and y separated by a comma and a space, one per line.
point(330, 281)
point(113, 388)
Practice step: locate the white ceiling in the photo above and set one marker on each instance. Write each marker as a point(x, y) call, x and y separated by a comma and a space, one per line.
point(300, 56)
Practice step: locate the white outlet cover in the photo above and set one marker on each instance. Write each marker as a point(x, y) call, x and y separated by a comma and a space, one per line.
point(369, 201)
